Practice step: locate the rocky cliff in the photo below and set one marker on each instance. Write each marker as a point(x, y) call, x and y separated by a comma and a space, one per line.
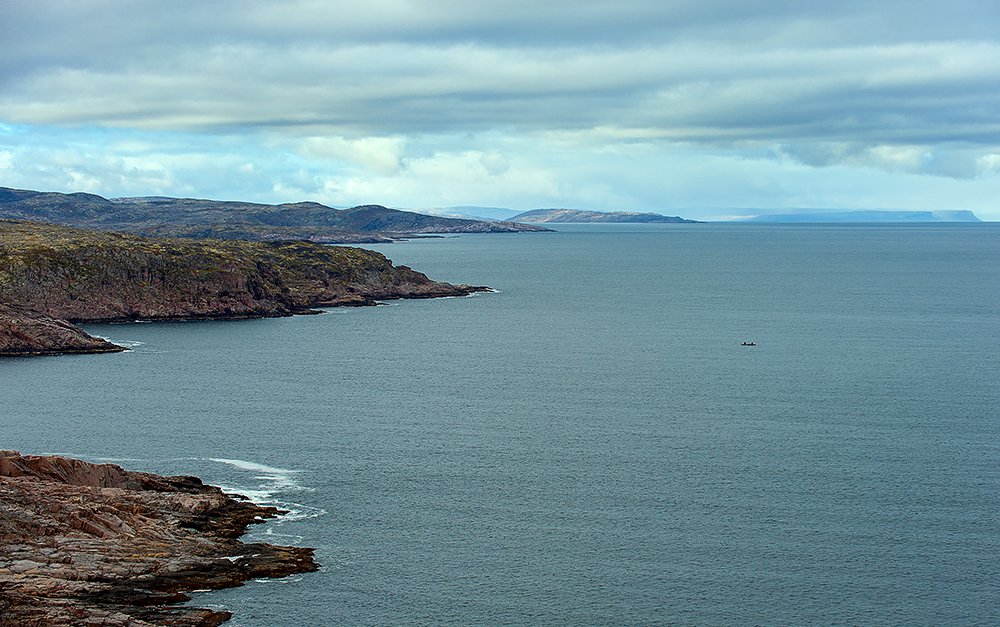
point(93, 544)
point(84, 276)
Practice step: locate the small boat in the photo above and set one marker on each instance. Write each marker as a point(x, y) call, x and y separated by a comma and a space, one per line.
point(748, 344)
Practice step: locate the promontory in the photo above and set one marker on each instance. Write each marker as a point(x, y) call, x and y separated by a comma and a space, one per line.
point(55, 273)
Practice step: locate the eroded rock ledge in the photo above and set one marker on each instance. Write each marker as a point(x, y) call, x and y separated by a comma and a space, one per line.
point(93, 544)
point(24, 331)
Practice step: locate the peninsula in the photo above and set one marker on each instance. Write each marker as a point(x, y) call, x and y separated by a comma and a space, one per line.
point(93, 544)
point(53, 274)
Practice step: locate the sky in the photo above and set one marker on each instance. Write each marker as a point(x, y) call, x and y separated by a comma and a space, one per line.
point(701, 108)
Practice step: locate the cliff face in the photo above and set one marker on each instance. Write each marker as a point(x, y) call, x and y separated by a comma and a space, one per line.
point(82, 275)
point(24, 331)
point(93, 544)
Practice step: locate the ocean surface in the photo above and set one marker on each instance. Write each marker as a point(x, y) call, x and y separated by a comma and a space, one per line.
point(591, 445)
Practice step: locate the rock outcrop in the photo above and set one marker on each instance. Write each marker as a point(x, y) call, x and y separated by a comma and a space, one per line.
point(93, 544)
point(24, 331)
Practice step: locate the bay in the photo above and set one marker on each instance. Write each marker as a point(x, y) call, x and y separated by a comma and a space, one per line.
point(592, 444)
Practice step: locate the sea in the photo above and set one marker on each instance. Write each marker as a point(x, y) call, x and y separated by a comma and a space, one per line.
point(700, 425)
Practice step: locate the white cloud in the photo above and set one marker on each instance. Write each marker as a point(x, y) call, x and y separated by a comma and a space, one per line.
point(637, 104)
point(694, 91)
point(988, 163)
point(494, 163)
point(377, 154)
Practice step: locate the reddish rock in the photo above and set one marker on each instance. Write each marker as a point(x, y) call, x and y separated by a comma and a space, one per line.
point(24, 331)
point(84, 543)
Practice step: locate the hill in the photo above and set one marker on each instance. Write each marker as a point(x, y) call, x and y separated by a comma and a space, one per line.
point(576, 215)
point(195, 218)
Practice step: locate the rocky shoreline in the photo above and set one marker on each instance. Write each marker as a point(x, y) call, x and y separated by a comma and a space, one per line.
point(93, 544)
point(54, 275)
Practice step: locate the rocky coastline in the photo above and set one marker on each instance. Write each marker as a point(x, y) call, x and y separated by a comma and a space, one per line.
point(69, 275)
point(93, 544)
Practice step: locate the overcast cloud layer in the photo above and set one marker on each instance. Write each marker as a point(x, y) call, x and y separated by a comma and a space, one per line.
point(701, 108)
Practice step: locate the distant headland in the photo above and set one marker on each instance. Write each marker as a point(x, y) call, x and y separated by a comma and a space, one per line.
point(874, 215)
point(579, 216)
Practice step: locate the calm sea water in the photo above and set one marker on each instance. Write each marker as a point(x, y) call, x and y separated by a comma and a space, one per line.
point(592, 445)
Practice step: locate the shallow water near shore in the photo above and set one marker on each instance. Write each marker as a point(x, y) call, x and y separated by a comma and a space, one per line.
point(592, 444)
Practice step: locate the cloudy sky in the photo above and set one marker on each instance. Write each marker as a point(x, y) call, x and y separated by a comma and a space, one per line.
point(702, 108)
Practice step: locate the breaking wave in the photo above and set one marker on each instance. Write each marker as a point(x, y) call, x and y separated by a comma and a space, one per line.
point(267, 485)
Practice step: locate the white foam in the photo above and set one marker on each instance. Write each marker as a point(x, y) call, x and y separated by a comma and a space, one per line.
point(260, 497)
point(272, 483)
point(297, 511)
point(245, 465)
point(129, 344)
point(273, 480)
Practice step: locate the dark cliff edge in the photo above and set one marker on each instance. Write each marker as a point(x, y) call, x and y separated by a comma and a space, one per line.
point(80, 275)
point(93, 544)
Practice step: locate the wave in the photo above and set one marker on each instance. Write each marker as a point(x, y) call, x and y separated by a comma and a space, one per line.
point(245, 465)
point(127, 343)
point(120, 461)
point(272, 481)
point(271, 484)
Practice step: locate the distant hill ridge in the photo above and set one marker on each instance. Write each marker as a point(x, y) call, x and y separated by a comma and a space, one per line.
point(577, 215)
point(870, 215)
point(234, 220)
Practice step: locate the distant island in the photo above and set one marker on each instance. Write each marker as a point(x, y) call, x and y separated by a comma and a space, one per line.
point(52, 276)
point(578, 216)
point(158, 216)
point(806, 215)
